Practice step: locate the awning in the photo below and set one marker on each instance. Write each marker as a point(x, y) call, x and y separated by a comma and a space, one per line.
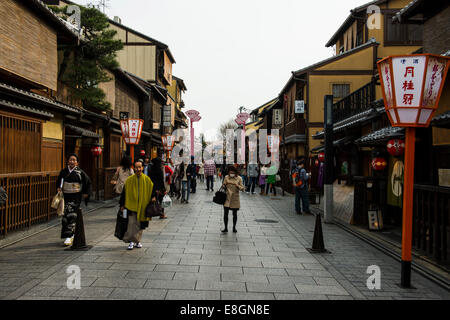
point(380, 137)
point(336, 143)
point(84, 132)
point(295, 138)
point(18, 107)
point(442, 120)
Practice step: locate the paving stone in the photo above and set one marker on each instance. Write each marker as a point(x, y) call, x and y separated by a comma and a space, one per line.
point(192, 295)
point(196, 276)
point(87, 292)
point(219, 285)
point(272, 287)
point(170, 284)
point(133, 266)
point(245, 278)
point(293, 296)
point(265, 271)
point(315, 289)
point(150, 275)
point(119, 283)
point(42, 291)
point(138, 294)
point(225, 295)
point(293, 280)
point(208, 269)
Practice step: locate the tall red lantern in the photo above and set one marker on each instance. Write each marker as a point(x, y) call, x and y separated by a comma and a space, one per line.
point(379, 163)
point(396, 147)
point(96, 151)
point(321, 156)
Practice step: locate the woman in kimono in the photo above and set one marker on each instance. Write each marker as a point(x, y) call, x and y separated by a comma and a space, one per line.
point(75, 185)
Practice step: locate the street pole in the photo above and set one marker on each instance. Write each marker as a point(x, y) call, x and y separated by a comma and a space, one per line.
point(192, 138)
point(408, 207)
point(132, 153)
point(328, 172)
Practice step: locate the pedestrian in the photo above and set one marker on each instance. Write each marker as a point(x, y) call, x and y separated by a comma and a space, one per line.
point(300, 180)
point(122, 173)
point(136, 195)
point(243, 174)
point(185, 181)
point(271, 180)
point(157, 177)
point(147, 165)
point(262, 179)
point(168, 174)
point(75, 185)
point(201, 171)
point(232, 184)
point(223, 171)
point(252, 174)
point(191, 173)
point(210, 171)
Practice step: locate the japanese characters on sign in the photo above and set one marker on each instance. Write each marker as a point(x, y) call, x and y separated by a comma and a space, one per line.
point(408, 81)
point(433, 81)
point(131, 130)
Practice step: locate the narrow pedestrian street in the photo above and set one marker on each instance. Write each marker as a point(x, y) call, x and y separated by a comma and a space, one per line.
point(187, 257)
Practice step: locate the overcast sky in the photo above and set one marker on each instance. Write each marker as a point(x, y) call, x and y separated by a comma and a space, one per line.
point(237, 52)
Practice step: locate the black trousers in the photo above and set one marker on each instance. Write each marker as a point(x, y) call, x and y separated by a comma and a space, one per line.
point(225, 216)
point(210, 182)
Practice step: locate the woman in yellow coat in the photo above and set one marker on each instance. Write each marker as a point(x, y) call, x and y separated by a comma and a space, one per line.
point(232, 184)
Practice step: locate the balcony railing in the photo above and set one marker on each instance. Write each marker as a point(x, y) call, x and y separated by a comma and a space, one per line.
point(356, 102)
point(294, 127)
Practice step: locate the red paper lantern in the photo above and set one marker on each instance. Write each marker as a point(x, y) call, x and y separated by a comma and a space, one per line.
point(321, 156)
point(142, 153)
point(379, 163)
point(316, 163)
point(396, 147)
point(96, 151)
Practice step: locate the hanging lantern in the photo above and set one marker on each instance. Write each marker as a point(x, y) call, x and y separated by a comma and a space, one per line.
point(142, 152)
point(396, 147)
point(321, 156)
point(316, 163)
point(379, 163)
point(96, 151)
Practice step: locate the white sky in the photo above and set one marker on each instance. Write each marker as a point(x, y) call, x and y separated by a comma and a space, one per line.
point(237, 52)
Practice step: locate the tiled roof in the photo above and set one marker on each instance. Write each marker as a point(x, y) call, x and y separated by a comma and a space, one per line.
point(354, 120)
point(380, 136)
point(19, 107)
point(38, 98)
point(442, 120)
point(83, 132)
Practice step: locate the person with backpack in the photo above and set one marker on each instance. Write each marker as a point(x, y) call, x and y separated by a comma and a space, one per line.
point(300, 181)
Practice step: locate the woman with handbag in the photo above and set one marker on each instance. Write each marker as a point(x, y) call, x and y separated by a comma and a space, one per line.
point(233, 184)
point(122, 173)
point(136, 195)
point(75, 184)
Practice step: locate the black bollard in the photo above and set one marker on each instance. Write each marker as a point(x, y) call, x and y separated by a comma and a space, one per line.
point(318, 245)
point(79, 239)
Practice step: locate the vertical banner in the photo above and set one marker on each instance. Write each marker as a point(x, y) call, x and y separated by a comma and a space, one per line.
point(395, 182)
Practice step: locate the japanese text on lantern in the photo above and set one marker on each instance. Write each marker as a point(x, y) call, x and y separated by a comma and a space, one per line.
point(433, 81)
point(408, 80)
point(386, 74)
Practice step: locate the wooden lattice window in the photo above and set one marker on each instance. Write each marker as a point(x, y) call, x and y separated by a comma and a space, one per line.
point(20, 144)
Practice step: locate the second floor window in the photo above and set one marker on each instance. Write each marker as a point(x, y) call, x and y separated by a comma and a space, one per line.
point(341, 90)
point(402, 34)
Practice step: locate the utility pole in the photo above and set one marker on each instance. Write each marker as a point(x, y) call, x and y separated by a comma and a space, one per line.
point(329, 159)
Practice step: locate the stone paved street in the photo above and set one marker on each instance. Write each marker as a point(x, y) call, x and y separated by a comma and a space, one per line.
point(186, 257)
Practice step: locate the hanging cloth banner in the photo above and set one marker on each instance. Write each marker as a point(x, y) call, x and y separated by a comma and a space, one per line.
point(395, 181)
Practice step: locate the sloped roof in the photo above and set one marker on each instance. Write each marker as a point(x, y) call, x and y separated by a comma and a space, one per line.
point(381, 136)
point(350, 19)
point(19, 107)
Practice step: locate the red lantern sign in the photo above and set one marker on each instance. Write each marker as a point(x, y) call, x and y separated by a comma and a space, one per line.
point(96, 151)
point(316, 163)
point(396, 147)
point(321, 156)
point(142, 153)
point(379, 163)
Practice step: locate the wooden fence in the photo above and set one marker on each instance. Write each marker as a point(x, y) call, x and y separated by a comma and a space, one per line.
point(431, 229)
point(29, 198)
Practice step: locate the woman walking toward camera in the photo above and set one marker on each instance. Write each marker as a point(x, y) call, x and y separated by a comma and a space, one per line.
point(233, 184)
point(136, 195)
point(75, 185)
point(122, 173)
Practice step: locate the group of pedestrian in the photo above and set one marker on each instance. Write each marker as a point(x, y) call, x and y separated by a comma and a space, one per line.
point(149, 181)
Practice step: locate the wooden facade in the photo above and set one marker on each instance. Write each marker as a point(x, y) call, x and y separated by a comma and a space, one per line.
point(28, 47)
